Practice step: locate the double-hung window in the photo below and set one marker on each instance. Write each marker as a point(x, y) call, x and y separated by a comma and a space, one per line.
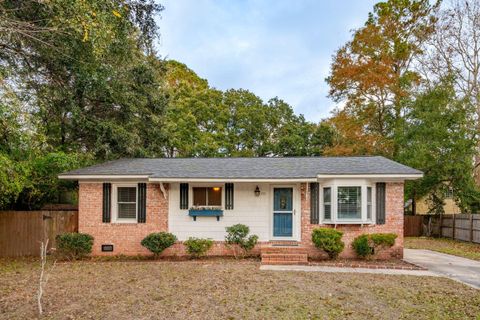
point(207, 196)
point(126, 203)
point(327, 203)
point(349, 203)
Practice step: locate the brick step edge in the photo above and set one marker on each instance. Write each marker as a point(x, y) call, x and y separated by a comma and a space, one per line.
point(295, 263)
point(285, 256)
point(285, 250)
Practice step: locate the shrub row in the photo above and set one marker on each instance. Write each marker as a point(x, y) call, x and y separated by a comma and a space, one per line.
point(75, 246)
point(365, 245)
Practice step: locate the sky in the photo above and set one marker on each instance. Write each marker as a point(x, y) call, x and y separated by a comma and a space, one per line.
point(269, 47)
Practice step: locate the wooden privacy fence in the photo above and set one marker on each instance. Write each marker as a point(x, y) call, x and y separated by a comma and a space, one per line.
point(465, 227)
point(413, 226)
point(22, 231)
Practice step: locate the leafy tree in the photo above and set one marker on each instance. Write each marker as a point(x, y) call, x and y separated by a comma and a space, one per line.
point(78, 81)
point(85, 75)
point(454, 49)
point(440, 141)
point(373, 72)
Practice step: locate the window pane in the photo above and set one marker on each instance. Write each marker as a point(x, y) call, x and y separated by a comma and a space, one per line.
point(349, 203)
point(127, 194)
point(199, 196)
point(127, 210)
point(215, 196)
point(369, 203)
point(327, 213)
point(327, 201)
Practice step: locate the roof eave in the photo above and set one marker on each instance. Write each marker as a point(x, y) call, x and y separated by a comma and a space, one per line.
point(101, 176)
point(382, 176)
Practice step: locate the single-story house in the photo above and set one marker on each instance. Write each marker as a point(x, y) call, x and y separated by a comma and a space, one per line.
point(281, 199)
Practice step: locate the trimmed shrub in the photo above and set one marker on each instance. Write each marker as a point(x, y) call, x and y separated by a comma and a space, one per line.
point(362, 247)
point(237, 236)
point(198, 247)
point(74, 246)
point(328, 240)
point(367, 245)
point(159, 241)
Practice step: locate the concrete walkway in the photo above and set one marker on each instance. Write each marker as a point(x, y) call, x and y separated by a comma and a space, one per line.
point(457, 268)
point(347, 270)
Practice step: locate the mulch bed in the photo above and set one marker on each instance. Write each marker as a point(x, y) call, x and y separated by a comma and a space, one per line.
point(369, 264)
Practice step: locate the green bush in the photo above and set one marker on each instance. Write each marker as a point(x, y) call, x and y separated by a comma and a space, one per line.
point(328, 240)
point(74, 246)
point(197, 247)
point(362, 247)
point(237, 236)
point(159, 241)
point(367, 245)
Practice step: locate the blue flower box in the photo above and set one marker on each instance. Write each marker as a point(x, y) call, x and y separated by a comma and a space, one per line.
point(205, 213)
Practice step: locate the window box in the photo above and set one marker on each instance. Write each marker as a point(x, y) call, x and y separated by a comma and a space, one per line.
point(205, 212)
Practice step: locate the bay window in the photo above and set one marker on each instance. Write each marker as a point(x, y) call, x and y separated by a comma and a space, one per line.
point(347, 202)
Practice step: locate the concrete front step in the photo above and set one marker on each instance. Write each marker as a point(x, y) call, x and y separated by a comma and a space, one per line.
point(284, 258)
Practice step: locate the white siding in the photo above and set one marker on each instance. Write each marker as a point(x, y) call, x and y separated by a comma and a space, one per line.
point(250, 210)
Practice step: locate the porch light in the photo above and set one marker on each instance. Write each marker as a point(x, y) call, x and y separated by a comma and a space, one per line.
point(216, 188)
point(257, 191)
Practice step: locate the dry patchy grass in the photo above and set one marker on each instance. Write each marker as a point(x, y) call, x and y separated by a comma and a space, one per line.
point(226, 289)
point(449, 246)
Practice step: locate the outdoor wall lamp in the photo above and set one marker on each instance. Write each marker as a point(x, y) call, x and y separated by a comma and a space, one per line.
point(257, 191)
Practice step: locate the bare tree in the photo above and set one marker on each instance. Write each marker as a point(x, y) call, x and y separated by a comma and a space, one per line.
point(43, 275)
point(454, 49)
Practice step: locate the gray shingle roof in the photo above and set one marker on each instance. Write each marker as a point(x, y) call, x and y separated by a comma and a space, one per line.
point(245, 168)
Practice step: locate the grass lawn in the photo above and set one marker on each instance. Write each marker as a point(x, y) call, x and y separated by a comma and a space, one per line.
point(455, 247)
point(226, 289)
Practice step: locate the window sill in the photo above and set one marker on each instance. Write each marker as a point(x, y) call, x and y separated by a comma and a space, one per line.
point(125, 221)
point(348, 222)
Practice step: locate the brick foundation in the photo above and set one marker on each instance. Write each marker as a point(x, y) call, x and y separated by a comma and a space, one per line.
point(393, 224)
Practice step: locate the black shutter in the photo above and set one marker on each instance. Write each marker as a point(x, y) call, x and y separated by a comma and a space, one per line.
point(183, 196)
point(380, 203)
point(142, 203)
point(228, 196)
point(107, 202)
point(314, 203)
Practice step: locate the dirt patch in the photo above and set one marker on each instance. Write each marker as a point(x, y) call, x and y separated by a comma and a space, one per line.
point(226, 290)
point(449, 246)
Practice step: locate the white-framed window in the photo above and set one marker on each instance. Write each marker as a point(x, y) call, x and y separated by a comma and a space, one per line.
point(348, 202)
point(207, 196)
point(125, 202)
point(327, 203)
point(369, 203)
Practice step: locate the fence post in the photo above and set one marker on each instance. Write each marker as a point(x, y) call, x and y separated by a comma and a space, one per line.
point(441, 225)
point(453, 226)
point(471, 227)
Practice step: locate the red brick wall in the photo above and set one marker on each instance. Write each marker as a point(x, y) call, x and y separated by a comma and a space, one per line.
point(125, 237)
point(393, 224)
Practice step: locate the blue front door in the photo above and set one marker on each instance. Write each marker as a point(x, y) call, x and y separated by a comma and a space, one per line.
point(282, 212)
